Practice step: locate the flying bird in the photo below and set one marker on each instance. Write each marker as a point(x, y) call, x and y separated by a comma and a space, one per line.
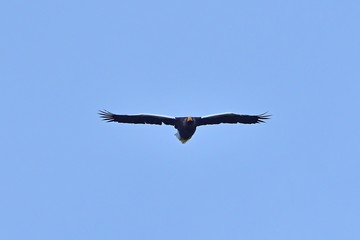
point(186, 126)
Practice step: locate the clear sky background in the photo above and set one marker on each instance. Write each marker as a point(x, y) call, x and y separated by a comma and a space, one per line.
point(65, 174)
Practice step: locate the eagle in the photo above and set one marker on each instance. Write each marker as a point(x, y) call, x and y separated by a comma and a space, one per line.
point(186, 126)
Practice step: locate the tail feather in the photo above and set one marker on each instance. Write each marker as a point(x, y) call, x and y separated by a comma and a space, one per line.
point(182, 140)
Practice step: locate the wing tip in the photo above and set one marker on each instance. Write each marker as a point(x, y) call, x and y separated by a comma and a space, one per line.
point(106, 115)
point(264, 116)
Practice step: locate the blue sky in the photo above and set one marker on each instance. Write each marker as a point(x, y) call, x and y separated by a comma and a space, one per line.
point(65, 174)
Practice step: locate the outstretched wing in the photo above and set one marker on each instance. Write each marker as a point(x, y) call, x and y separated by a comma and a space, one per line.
point(232, 118)
point(137, 119)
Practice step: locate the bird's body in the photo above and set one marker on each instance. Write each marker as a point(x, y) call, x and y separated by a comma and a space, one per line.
point(186, 126)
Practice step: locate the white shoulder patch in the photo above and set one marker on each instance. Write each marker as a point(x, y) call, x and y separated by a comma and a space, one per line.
point(154, 115)
point(213, 115)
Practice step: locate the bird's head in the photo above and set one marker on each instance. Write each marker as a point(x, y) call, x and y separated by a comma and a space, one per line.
point(189, 121)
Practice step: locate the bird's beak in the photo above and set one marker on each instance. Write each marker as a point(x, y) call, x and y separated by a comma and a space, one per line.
point(189, 119)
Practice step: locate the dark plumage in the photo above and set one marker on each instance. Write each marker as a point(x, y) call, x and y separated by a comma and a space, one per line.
point(186, 126)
